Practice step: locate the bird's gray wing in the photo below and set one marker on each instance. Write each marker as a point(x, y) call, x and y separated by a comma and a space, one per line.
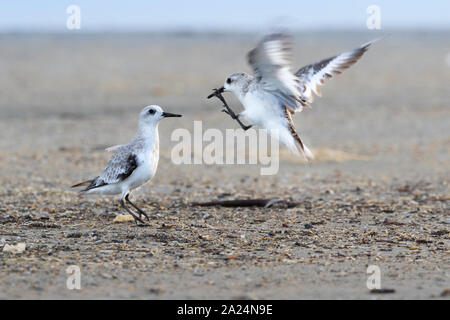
point(270, 62)
point(313, 75)
point(119, 167)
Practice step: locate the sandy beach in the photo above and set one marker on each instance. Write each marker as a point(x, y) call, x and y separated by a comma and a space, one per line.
point(377, 193)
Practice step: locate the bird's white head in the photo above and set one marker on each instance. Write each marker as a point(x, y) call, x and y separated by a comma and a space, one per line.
point(150, 116)
point(237, 83)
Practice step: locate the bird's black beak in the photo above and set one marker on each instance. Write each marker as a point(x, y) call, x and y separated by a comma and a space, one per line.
point(169, 115)
point(216, 92)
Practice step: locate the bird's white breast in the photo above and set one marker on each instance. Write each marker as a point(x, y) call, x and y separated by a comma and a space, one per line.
point(147, 165)
point(261, 108)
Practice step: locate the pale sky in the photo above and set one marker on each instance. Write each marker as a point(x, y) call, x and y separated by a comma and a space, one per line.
point(221, 15)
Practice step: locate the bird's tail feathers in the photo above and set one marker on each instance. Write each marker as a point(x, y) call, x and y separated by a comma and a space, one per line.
point(309, 156)
point(299, 145)
point(82, 184)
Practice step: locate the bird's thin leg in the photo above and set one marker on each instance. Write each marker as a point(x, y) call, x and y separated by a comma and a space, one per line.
point(236, 117)
point(140, 211)
point(136, 219)
point(230, 112)
point(243, 126)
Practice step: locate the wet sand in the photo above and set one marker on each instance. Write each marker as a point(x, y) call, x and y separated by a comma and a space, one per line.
point(377, 193)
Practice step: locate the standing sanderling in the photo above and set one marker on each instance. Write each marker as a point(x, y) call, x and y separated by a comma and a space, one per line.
point(132, 164)
point(274, 93)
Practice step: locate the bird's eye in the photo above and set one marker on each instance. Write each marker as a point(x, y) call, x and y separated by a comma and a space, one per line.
point(229, 80)
point(151, 111)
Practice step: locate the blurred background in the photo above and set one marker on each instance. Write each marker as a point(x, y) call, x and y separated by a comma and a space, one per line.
point(229, 16)
point(74, 76)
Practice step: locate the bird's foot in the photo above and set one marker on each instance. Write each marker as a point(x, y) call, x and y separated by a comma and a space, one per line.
point(140, 211)
point(231, 114)
point(236, 117)
point(144, 214)
point(218, 93)
point(137, 219)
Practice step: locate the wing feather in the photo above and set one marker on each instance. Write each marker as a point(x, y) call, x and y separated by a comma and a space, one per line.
point(120, 166)
point(114, 148)
point(313, 75)
point(270, 62)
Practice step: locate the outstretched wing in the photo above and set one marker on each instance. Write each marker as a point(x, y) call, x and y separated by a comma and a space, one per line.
point(120, 166)
point(313, 75)
point(270, 62)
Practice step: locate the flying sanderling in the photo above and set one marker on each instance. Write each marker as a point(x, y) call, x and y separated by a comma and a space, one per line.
point(132, 164)
point(274, 93)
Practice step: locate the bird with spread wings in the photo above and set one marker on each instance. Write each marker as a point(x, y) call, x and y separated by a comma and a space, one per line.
point(274, 93)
